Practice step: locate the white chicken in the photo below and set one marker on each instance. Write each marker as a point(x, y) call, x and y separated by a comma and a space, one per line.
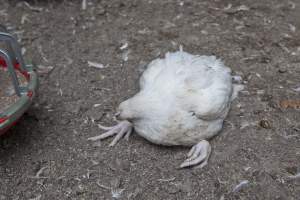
point(183, 100)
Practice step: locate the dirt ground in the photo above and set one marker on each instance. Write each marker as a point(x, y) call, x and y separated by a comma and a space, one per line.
point(47, 155)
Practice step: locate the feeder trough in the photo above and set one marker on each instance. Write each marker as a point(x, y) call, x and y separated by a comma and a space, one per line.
point(18, 82)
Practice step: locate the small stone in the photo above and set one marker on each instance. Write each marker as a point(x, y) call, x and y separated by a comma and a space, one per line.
point(282, 70)
point(265, 124)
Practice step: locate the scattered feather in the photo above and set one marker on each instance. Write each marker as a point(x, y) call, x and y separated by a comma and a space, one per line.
point(96, 65)
point(60, 92)
point(40, 49)
point(245, 124)
point(24, 18)
point(204, 32)
point(83, 5)
point(169, 24)
point(144, 31)
point(39, 173)
point(292, 28)
point(240, 185)
point(116, 193)
point(102, 186)
point(240, 8)
point(174, 43)
point(258, 75)
point(239, 27)
point(124, 46)
point(167, 180)
point(44, 69)
point(229, 6)
point(23, 50)
point(36, 9)
point(247, 168)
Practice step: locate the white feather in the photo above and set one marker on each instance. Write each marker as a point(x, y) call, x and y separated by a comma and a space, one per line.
point(183, 99)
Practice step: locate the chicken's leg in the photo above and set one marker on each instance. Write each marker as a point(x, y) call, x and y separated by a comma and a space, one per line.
point(121, 129)
point(198, 155)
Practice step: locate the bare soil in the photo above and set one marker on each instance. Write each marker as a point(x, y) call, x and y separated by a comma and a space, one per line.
point(47, 155)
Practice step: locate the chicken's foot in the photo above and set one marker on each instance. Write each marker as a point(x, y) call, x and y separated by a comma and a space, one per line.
point(198, 155)
point(121, 129)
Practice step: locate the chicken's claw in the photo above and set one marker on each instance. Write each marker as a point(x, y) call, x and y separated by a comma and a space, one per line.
point(198, 155)
point(121, 129)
